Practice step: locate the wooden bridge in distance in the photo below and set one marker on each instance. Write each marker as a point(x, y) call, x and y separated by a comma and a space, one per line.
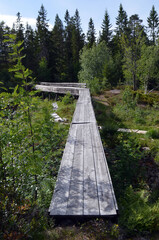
point(84, 186)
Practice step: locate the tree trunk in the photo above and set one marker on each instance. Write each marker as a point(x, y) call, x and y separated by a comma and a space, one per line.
point(146, 88)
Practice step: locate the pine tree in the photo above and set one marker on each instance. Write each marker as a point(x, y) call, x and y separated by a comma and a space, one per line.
point(132, 49)
point(153, 23)
point(106, 29)
point(135, 27)
point(121, 21)
point(91, 33)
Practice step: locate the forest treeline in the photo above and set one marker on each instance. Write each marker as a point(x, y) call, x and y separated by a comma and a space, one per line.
point(128, 54)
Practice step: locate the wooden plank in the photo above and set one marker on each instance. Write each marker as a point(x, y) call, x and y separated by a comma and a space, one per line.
point(107, 202)
point(107, 170)
point(64, 84)
point(75, 202)
point(62, 90)
point(84, 113)
point(91, 205)
point(84, 96)
point(77, 114)
point(58, 204)
point(91, 113)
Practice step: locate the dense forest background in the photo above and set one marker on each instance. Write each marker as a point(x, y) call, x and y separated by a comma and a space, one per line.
point(127, 54)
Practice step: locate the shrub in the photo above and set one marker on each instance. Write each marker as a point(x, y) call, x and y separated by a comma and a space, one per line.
point(153, 133)
point(67, 99)
point(137, 214)
point(151, 98)
point(128, 98)
point(95, 85)
point(139, 116)
point(109, 132)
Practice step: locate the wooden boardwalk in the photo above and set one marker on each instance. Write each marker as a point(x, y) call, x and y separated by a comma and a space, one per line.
point(63, 88)
point(84, 186)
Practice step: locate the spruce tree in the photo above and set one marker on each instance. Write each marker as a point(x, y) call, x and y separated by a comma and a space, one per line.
point(74, 42)
point(57, 59)
point(80, 35)
point(19, 28)
point(30, 46)
point(68, 45)
point(153, 23)
point(106, 29)
point(4, 51)
point(42, 34)
point(121, 21)
point(91, 34)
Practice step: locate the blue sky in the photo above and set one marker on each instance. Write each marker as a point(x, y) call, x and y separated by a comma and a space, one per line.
point(87, 9)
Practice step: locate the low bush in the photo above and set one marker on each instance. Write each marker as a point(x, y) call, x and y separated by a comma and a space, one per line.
point(137, 214)
point(67, 99)
point(153, 133)
point(150, 99)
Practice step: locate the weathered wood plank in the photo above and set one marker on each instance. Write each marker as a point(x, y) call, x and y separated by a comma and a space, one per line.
point(91, 205)
point(64, 84)
point(58, 204)
point(107, 201)
point(83, 113)
point(62, 90)
point(75, 202)
point(79, 111)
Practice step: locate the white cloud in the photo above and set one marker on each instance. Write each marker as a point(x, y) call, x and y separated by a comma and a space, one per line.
point(9, 20)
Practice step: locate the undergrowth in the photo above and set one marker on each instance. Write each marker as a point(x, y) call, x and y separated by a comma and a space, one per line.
point(133, 169)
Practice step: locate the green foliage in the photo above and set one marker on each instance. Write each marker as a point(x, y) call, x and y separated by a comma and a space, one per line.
point(21, 74)
point(137, 213)
point(148, 66)
point(92, 64)
point(149, 99)
point(96, 85)
point(67, 99)
point(128, 98)
point(109, 133)
point(132, 49)
point(30, 156)
point(30, 153)
point(153, 133)
point(106, 29)
point(110, 73)
point(153, 23)
point(91, 34)
point(43, 71)
point(66, 107)
point(124, 163)
point(133, 160)
point(121, 21)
